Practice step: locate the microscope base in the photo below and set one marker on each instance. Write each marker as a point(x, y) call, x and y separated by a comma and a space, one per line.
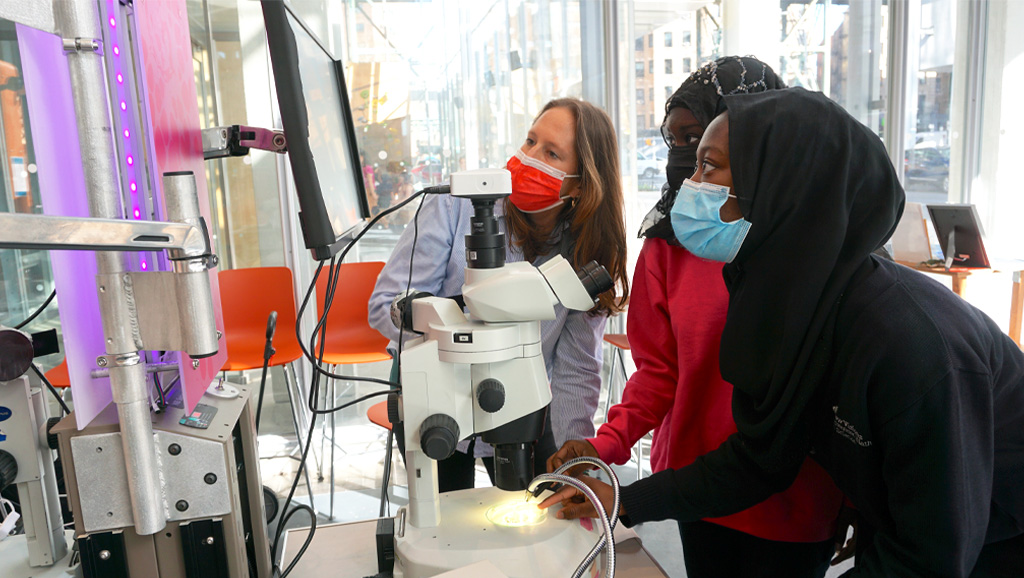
point(553, 547)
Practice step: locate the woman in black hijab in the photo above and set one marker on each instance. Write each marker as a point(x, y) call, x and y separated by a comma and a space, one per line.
point(689, 110)
point(909, 397)
point(677, 311)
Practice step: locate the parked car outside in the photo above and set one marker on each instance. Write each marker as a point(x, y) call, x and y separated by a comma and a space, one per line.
point(650, 162)
point(927, 168)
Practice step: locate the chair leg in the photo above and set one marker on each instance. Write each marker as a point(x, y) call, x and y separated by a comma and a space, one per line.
point(611, 384)
point(322, 400)
point(622, 363)
point(333, 391)
point(298, 435)
point(640, 458)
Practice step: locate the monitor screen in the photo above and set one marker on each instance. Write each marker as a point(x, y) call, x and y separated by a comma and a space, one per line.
point(960, 236)
point(318, 126)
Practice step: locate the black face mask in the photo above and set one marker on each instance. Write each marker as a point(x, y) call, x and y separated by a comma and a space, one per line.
point(682, 163)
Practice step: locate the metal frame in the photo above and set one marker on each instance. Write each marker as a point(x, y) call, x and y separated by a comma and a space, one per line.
point(974, 90)
point(30, 231)
point(78, 23)
point(897, 94)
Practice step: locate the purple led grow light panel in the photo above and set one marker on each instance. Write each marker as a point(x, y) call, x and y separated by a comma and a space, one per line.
point(62, 189)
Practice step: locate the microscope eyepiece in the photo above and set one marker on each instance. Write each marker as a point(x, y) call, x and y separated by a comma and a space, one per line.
point(595, 279)
point(485, 244)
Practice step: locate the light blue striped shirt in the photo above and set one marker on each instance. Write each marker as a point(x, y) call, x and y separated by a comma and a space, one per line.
point(571, 342)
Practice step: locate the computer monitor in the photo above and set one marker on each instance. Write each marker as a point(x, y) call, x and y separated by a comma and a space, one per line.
point(960, 236)
point(318, 126)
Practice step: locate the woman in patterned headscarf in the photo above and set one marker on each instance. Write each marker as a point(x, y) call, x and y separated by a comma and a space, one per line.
point(676, 315)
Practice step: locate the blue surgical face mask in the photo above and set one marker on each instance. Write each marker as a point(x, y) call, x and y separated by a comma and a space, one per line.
point(698, 225)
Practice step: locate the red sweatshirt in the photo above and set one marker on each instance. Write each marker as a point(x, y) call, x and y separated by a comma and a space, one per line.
point(677, 310)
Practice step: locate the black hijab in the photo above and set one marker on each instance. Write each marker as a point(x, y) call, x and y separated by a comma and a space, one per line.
point(702, 94)
point(821, 195)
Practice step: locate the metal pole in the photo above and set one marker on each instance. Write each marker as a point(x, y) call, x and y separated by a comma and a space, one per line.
point(79, 24)
point(897, 88)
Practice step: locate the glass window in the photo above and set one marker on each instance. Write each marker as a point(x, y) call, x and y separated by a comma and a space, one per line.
point(930, 59)
point(650, 40)
point(687, 65)
point(639, 44)
point(438, 87)
point(25, 276)
point(640, 95)
point(244, 191)
point(695, 35)
point(838, 50)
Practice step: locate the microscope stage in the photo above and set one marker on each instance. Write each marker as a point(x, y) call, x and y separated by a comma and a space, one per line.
point(549, 547)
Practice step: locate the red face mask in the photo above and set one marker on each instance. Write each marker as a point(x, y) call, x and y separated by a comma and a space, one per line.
point(536, 186)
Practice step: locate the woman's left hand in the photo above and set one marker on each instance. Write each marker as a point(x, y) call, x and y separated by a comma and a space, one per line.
point(576, 505)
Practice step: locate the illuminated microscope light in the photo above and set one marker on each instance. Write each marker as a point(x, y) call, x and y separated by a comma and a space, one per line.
point(516, 514)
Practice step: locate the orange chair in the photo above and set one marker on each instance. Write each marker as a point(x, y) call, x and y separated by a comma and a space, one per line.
point(58, 376)
point(349, 339)
point(247, 297)
point(378, 414)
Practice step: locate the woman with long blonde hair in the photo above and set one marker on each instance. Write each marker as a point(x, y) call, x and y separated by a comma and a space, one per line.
point(566, 200)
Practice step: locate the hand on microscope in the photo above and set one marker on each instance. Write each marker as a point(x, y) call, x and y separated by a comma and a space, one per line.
point(575, 504)
point(570, 450)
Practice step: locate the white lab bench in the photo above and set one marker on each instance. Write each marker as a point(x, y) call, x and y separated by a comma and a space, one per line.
point(350, 550)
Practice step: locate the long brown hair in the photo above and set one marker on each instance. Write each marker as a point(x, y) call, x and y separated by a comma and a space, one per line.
point(595, 216)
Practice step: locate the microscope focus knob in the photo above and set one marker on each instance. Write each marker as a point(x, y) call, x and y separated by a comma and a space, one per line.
point(8, 469)
point(52, 441)
point(490, 394)
point(439, 435)
point(394, 414)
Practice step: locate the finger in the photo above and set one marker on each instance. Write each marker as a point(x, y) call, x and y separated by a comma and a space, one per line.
point(574, 511)
point(566, 493)
point(577, 471)
point(843, 554)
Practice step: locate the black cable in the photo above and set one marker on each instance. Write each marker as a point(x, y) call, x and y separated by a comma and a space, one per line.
point(439, 189)
point(319, 372)
point(53, 390)
point(291, 494)
point(309, 537)
point(38, 310)
point(161, 400)
point(408, 284)
point(332, 285)
point(385, 501)
point(268, 352)
point(161, 403)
